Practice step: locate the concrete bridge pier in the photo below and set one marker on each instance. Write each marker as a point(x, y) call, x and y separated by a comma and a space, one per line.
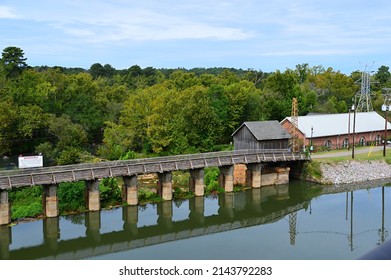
point(92, 195)
point(254, 175)
point(50, 201)
point(226, 204)
point(130, 190)
point(164, 185)
point(226, 178)
point(256, 199)
point(92, 223)
point(5, 242)
point(165, 211)
point(282, 192)
point(5, 208)
point(197, 209)
point(51, 232)
point(130, 218)
point(197, 185)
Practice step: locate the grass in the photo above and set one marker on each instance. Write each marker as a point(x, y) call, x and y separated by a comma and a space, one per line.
point(377, 155)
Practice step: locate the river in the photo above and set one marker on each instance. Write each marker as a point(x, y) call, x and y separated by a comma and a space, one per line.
point(296, 221)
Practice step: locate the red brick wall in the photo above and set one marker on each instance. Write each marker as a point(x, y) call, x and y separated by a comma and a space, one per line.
point(337, 140)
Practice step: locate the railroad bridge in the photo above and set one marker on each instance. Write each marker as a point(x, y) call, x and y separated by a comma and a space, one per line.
point(49, 177)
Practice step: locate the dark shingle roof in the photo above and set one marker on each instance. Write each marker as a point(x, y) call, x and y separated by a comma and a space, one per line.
point(266, 130)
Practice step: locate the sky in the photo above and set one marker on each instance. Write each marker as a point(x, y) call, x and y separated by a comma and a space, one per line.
point(263, 35)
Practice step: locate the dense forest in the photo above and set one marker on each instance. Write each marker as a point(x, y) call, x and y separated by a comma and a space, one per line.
point(73, 115)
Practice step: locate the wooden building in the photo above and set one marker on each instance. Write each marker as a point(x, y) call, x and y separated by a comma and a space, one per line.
point(261, 135)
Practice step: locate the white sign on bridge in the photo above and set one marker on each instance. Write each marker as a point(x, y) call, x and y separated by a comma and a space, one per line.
point(30, 161)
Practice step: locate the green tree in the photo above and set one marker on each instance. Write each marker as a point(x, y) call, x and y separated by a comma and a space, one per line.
point(97, 70)
point(81, 104)
point(7, 126)
point(67, 133)
point(280, 88)
point(117, 141)
point(333, 84)
point(134, 115)
point(383, 76)
point(13, 61)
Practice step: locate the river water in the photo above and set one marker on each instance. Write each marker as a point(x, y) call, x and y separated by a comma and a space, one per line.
point(296, 221)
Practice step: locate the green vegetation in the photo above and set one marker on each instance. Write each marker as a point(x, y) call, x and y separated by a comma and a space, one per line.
point(26, 202)
point(74, 115)
point(110, 192)
point(71, 197)
point(211, 181)
point(146, 195)
point(312, 170)
point(376, 155)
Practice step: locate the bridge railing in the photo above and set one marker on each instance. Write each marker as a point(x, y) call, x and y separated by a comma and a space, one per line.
point(92, 171)
point(141, 161)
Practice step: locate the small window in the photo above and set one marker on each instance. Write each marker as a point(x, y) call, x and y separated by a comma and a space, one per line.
point(362, 141)
point(328, 144)
point(345, 143)
point(378, 139)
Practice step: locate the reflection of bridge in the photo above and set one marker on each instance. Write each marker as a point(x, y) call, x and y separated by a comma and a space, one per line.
point(50, 177)
point(239, 210)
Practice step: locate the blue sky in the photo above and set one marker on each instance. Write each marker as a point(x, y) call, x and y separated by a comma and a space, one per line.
point(256, 34)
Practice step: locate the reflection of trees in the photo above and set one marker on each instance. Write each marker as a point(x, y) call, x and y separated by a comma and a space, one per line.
point(77, 219)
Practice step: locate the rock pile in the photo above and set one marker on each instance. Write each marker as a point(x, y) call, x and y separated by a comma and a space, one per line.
point(354, 171)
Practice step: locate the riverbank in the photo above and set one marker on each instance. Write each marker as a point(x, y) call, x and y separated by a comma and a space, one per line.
point(350, 171)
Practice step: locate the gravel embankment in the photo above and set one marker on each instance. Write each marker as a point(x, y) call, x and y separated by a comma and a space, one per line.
point(354, 171)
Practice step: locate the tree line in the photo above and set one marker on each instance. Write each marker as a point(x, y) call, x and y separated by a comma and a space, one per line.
point(73, 115)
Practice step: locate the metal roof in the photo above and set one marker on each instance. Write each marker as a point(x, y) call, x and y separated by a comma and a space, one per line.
point(265, 130)
point(338, 124)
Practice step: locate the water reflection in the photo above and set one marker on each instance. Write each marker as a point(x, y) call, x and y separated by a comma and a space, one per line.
point(127, 228)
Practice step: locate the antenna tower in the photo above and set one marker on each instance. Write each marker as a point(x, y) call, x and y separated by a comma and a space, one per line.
point(364, 95)
point(294, 131)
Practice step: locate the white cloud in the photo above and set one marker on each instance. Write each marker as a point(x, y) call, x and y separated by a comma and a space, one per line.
point(7, 13)
point(201, 32)
point(115, 21)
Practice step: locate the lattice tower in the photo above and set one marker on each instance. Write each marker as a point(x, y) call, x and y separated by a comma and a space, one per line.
point(292, 227)
point(294, 130)
point(364, 95)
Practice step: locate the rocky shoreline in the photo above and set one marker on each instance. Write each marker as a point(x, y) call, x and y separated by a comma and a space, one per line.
point(348, 172)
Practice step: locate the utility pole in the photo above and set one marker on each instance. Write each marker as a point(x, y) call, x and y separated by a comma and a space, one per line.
point(385, 108)
point(354, 109)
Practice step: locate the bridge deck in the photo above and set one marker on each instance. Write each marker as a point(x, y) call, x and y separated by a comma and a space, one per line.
point(92, 171)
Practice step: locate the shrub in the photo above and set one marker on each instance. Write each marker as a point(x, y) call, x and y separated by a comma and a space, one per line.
point(69, 156)
point(26, 202)
point(71, 197)
point(110, 192)
point(148, 196)
point(211, 180)
point(312, 170)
